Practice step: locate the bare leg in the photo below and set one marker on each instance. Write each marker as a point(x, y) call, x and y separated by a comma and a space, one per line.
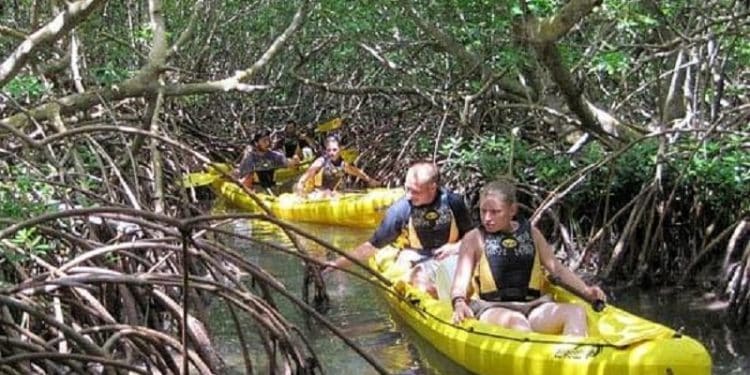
point(559, 317)
point(506, 318)
point(421, 281)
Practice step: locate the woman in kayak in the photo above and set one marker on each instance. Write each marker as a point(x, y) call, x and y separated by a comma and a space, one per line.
point(261, 161)
point(504, 259)
point(327, 172)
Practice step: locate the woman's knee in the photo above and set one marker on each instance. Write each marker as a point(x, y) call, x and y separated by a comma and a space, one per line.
point(519, 322)
point(507, 318)
point(574, 312)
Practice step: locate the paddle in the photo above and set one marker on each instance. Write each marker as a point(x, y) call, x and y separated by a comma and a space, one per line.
point(329, 125)
point(596, 304)
point(198, 179)
point(349, 155)
point(214, 172)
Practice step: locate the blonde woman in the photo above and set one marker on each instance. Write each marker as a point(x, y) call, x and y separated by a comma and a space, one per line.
point(504, 257)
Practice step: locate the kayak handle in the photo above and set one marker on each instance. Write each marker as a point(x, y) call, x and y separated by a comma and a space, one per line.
point(598, 305)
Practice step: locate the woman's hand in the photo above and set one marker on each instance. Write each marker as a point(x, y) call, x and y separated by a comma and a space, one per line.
point(596, 293)
point(461, 310)
point(299, 189)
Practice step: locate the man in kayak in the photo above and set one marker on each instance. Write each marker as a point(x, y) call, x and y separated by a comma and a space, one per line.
point(261, 161)
point(427, 223)
point(503, 258)
point(293, 141)
point(327, 172)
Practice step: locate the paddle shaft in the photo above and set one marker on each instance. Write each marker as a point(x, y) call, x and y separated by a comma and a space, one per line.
point(596, 304)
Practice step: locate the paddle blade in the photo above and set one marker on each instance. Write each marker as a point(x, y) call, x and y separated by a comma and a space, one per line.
point(198, 179)
point(349, 155)
point(329, 125)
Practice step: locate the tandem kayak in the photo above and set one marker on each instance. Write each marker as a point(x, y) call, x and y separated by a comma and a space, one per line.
point(354, 209)
point(619, 342)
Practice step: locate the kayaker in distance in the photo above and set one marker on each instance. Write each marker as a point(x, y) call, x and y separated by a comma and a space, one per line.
point(293, 141)
point(427, 223)
point(507, 256)
point(327, 172)
point(261, 161)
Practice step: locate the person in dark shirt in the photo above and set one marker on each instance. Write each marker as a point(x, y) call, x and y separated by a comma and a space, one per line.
point(292, 141)
point(261, 162)
point(428, 223)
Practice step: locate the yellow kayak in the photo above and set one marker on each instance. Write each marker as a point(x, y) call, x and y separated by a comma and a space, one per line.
point(215, 171)
point(619, 343)
point(359, 210)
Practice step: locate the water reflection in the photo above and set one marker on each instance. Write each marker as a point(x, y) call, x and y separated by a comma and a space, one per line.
point(356, 307)
point(358, 310)
point(691, 312)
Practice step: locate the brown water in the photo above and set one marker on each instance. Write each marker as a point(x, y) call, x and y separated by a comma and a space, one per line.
point(358, 310)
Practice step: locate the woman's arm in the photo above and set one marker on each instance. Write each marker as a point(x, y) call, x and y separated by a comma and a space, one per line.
point(467, 259)
point(356, 172)
point(558, 270)
point(299, 187)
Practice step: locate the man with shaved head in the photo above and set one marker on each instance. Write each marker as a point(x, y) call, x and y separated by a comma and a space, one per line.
point(427, 224)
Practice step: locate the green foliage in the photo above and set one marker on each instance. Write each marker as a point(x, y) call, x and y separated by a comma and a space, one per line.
point(31, 242)
point(490, 154)
point(539, 8)
point(144, 34)
point(612, 62)
point(109, 74)
point(743, 51)
point(22, 197)
point(25, 88)
point(719, 174)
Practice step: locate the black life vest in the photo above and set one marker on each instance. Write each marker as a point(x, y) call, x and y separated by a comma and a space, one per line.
point(330, 175)
point(509, 268)
point(431, 226)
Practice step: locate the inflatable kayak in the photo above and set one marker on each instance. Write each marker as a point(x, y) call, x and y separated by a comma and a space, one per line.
point(354, 209)
point(619, 343)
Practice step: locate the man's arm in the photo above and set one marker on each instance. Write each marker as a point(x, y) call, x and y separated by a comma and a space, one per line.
point(361, 253)
point(247, 169)
point(387, 232)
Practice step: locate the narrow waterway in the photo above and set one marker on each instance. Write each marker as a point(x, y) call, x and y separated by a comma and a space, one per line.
point(359, 312)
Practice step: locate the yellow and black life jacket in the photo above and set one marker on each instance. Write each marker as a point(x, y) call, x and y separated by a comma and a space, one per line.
point(330, 175)
point(430, 226)
point(509, 268)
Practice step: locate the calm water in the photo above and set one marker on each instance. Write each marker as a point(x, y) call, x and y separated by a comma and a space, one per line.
point(358, 311)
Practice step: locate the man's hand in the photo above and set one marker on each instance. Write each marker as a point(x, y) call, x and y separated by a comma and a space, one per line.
point(445, 251)
point(373, 182)
point(328, 267)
